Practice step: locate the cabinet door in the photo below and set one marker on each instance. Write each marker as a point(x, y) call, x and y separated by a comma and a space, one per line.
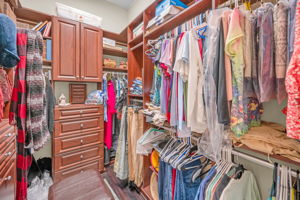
point(91, 53)
point(66, 61)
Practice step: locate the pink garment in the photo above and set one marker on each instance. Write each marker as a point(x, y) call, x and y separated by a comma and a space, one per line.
point(111, 102)
point(292, 84)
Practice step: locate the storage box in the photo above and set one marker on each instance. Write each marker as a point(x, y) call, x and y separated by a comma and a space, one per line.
point(109, 42)
point(78, 15)
point(166, 3)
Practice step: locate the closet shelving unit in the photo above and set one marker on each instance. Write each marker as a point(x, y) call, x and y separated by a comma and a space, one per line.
point(121, 40)
point(33, 17)
point(140, 65)
point(135, 55)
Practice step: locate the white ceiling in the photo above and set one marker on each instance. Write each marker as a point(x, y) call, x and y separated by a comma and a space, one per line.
point(122, 3)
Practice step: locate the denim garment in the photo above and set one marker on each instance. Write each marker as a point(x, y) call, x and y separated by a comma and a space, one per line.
point(185, 189)
point(8, 42)
point(165, 181)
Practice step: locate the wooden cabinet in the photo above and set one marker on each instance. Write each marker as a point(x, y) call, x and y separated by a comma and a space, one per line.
point(7, 161)
point(78, 140)
point(66, 49)
point(77, 51)
point(91, 53)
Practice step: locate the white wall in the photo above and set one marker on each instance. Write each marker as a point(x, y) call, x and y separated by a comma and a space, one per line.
point(137, 7)
point(115, 18)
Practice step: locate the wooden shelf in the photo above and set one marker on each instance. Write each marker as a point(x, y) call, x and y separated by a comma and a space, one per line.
point(136, 40)
point(135, 95)
point(114, 52)
point(185, 15)
point(32, 15)
point(274, 158)
point(47, 38)
point(47, 62)
point(119, 38)
point(115, 69)
point(139, 45)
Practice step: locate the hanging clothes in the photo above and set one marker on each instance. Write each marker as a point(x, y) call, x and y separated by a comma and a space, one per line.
point(234, 49)
point(135, 131)
point(121, 159)
point(17, 116)
point(266, 70)
point(292, 84)
point(111, 103)
point(280, 42)
point(196, 119)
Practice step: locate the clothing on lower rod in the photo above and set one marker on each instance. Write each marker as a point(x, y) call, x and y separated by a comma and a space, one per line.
point(135, 131)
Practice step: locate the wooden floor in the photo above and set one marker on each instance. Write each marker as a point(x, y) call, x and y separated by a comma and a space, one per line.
point(122, 193)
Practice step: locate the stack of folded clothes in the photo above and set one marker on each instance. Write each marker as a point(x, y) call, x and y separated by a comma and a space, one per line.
point(137, 86)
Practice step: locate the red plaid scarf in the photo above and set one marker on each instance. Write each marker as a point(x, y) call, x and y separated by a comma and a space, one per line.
point(17, 116)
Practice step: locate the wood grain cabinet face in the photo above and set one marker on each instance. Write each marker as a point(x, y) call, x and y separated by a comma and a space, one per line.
point(66, 36)
point(77, 51)
point(7, 161)
point(91, 53)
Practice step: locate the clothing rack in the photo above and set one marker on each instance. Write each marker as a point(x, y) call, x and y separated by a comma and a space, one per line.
point(234, 152)
point(257, 160)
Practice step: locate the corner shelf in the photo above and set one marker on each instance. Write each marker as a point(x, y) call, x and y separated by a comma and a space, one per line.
point(135, 96)
point(136, 40)
point(47, 62)
point(115, 69)
point(186, 14)
point(114, 52)
point(47, 38)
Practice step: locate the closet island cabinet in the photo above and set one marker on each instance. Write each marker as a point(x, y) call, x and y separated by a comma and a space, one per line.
point(77, 51)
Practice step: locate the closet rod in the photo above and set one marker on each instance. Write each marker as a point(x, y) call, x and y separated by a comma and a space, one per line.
point(257, 161)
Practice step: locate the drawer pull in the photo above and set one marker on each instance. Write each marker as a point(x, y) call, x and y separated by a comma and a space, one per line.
point(81, 125)
point(81, 111)
point(81, 156)
point(8, 154)
point(8, 135)
point(81, 171)
point(81, 141)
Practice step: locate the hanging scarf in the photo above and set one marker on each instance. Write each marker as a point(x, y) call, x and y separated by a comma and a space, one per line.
point(36, 122)
point(17, 116)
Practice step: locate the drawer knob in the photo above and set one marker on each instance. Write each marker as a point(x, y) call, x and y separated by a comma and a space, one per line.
point(81, 125)
point(81, 171)
point(8, 135)
point(7, 178)
point(8, 154)
point(81, 141)
point(81, 111)
point(81, 156)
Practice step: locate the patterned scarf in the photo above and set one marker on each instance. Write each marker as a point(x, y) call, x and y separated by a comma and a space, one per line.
point(36, 122)
point(17, 116)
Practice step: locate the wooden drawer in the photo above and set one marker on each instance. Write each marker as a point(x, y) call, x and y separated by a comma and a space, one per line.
point(77, 112)
point(7, 165)
point(67, 160)
point(8, 154)
point(61, 145)
point(5, 139)
point(6, 132)
point(7, 183)
point(94, 165)
point(65, 128)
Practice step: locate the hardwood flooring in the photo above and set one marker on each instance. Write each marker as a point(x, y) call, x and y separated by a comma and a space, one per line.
point(123, 193)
